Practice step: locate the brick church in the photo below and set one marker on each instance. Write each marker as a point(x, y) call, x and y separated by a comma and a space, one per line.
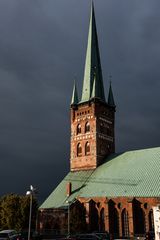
point(106, 191)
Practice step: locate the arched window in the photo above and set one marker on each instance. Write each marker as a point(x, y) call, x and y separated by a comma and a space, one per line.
point(87, 127)
point(78, 129)
point(125, 223)
point(138, 218)
point(87, 148)
point(79, 150)
point(151, 221)
point(94, 226)
point(102, 220)
point(113, 219)
point(101, 128)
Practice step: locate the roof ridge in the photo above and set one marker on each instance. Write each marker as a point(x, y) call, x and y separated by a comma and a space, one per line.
point(143, 149)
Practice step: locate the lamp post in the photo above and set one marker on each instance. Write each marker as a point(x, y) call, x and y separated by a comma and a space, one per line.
point(30, 193)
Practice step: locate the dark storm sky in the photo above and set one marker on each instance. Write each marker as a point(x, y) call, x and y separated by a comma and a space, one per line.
point(42, 49)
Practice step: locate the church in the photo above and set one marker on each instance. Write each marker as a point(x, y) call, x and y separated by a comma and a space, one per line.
point(106, 191)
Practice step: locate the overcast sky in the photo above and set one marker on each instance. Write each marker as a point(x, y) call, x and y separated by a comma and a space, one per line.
point(42, 49)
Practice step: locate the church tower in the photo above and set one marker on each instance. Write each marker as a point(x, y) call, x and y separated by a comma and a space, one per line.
point(92, 117)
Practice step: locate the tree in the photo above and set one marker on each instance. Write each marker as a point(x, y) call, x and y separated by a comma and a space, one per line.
point(25, 205)
point(14, 212)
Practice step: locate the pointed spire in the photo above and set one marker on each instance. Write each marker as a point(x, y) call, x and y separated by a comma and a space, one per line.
point(110, 97)
point(74, 95)
point(92, 63)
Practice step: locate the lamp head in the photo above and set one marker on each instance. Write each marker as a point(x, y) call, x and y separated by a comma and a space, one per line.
point(28, 193)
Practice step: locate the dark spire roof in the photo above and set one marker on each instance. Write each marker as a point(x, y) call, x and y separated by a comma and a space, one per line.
point(74, 95)
point(92, 64)
point(110, 97)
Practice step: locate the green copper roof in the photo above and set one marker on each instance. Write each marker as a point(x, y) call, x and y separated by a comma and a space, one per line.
point(110, 97)
point(58, 197)
point(92, 64)
point(74, 95)
point(129, 174)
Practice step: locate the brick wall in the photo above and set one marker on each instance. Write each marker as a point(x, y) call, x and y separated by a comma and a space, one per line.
point(100, 138)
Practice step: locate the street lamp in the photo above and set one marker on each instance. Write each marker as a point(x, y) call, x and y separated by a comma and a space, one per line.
point(30, 193)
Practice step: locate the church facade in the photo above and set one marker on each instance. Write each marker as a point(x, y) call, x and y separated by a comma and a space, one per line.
point(109, 191)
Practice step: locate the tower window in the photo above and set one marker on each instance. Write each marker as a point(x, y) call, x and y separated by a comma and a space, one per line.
point(78, 129)
point(79, 150)
point(87, 127)
point(101, 128)
point(87, 148)
point(109, 132)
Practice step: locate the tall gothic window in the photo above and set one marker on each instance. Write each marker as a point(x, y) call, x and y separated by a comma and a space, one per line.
point(94, 226)
point(113, 219)
point(79, 150)
point(125, 223)
point(87, 148)
point(78, 129)
point(102, 220)
point(138, 218)
point(151, 221)
point(87, 127)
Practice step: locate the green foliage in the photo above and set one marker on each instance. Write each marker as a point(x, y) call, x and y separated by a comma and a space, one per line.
point(14, 212)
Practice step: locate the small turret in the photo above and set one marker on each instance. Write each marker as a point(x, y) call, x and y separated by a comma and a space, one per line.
point(74, 99)
point(110, 97)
